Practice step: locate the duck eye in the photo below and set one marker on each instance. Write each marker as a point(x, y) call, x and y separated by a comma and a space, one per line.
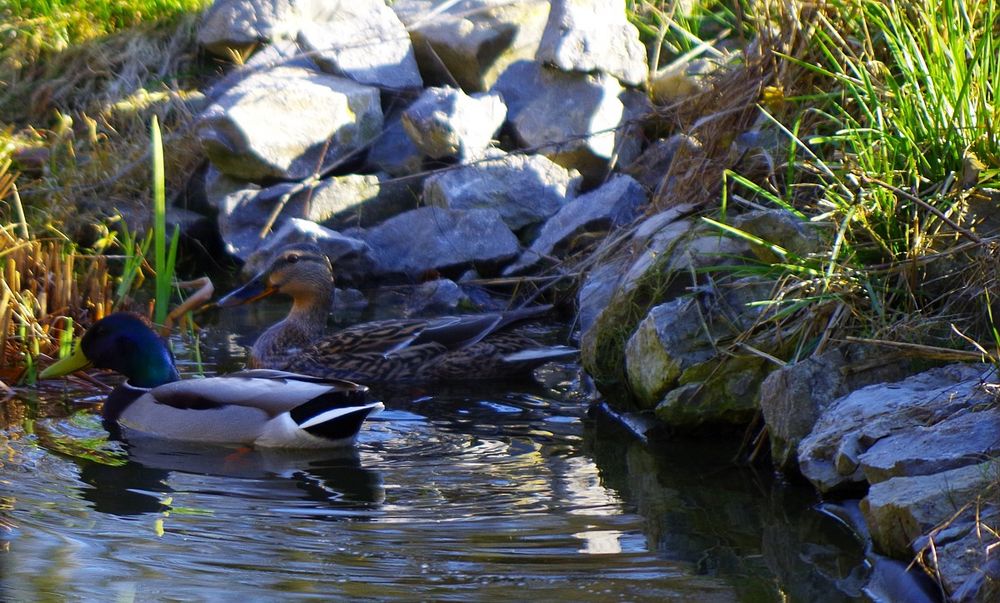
point(292, 259)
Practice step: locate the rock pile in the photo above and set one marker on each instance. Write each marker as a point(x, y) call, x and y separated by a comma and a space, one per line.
point(327, 132)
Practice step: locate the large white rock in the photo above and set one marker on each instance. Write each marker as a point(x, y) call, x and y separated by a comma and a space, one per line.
point(594, 35)
point(277, 123)
point(362, 40)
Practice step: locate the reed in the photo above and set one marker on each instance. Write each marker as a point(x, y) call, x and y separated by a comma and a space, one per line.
point(165, 259)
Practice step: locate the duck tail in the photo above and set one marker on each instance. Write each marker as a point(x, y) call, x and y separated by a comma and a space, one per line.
point(335, 415)
point(534, 357)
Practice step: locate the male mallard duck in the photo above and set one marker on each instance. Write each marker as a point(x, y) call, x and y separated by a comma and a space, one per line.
point(263, 408)
point(397, 350)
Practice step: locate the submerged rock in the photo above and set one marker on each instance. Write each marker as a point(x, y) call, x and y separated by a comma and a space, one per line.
point(525, 189)
point(317, 113)
point(362, 40)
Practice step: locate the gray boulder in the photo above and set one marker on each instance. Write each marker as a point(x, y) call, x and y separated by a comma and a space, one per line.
point(572, 119)
point(394, 152)
point(900, 510)
point(959, 440)
point(445, 122)
point(792, 398)
point(316, 112)
point(471, 42)
point(615, 204)
point(362, 40)
point(443, 240)
point(349, 254)
point(519, 84)
point(244, 210)
point(673, 359)
point(594, 36)
point(237, 25)
point(525, 189)
point(779, 227)
point(831, 455)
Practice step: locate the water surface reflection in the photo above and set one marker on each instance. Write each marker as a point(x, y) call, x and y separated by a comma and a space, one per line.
point(483, 494)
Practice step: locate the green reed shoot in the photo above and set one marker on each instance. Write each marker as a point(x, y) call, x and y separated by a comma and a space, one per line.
point(164, 260)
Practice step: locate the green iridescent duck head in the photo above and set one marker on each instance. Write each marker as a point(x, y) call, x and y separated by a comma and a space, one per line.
point(124, 343)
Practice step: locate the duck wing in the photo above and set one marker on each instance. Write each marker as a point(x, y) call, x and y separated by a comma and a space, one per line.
point(390, 337)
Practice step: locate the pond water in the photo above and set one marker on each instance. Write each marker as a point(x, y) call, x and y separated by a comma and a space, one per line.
point(483, 494)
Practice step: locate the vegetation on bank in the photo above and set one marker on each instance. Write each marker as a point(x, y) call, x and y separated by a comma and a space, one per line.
point(79, 84)
point(879, 118)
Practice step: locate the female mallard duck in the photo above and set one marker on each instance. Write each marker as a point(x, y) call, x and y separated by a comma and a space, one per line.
point(398, 350)
point(262, 408)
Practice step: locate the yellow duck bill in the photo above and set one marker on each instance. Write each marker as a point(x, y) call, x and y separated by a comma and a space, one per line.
point(70, 364)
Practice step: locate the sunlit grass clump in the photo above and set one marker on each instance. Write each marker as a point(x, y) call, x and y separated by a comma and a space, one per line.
point(889, 112)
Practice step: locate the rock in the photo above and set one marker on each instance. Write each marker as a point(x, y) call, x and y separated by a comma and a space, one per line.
point(679, 80)
point(721, 391)
point(237, 25)
point(615, 204)
point(472, 41)
point(445, 122)
point(779, 227)
point(519, 84)
point(900, 510)
point(830, 456)
point(341, 202)
point(617, 302)
point(435, 297)
point(239, 135)
point(362, 40)
point(954, 442)
point(572, 120)
point(525, 189)
point(395, 153)
point(594, 35)
point(244, 210)
point(598, 289)
point(652, 166)
point(442, 240)
point(348, 254)
point(666, 342)
point(793, 397)
point(672, 359)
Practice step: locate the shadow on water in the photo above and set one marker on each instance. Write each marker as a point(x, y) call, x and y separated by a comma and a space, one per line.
point(452, 494)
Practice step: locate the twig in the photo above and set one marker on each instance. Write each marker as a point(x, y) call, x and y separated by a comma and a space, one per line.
point(930, 351)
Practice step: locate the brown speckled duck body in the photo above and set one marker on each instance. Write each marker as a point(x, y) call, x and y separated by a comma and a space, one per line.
point(454, 348)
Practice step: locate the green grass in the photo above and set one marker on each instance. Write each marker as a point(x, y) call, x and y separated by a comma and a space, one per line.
point(890, 133)
point(39, 26)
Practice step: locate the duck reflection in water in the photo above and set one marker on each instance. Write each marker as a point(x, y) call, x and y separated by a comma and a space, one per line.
point(333, 480)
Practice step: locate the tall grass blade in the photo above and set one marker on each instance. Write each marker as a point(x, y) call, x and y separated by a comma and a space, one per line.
point(164, 273)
